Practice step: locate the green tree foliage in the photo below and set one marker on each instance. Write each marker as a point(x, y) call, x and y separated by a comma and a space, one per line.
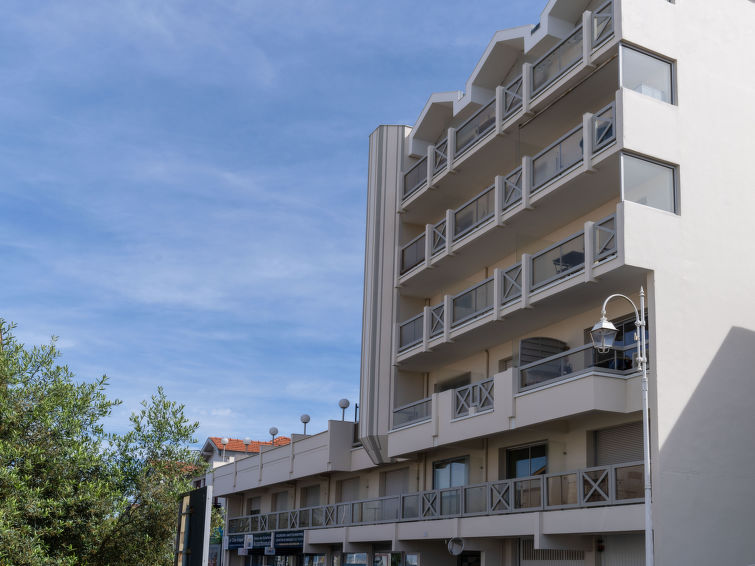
point(70, 493)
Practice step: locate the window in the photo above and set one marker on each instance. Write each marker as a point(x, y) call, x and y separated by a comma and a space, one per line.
point(647, 74)
point(504, 364)
point(253, 505)
point(473, 558)
point(450, 473)
point(623, 356)
point(280, 501)
point(310, 496)
point(348, 490)
point(395, 482)
point(355, 558)
point(648, 182)
point(526, 461)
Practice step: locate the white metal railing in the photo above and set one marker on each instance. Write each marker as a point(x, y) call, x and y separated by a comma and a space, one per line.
point(578, 361)
point(440, 156)
point(512, 189)
point(439, 237)
point(479, 395)
point(617, 484)
point(559, 261)
point(602, 24)
point(415, 177)
point(512, 97)
point(412, 413)
point(474, 129)
point(556, 62)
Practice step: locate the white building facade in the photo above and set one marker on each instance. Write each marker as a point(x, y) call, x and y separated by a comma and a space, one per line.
point(590, 154)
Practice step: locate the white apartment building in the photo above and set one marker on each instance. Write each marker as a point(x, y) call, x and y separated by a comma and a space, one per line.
point(602, 150)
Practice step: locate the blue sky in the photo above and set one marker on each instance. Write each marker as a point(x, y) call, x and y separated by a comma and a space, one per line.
point(183, 188)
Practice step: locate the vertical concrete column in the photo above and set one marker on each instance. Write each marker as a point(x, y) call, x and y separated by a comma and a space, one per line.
point(450, 229)
point(447, 314)
point(589, 250)
point(499, 110)
point(620, 232)
point(430, 161)
point(426, 319)
point(498, 196)
point(527, 174)
point(428, 244)
point(497, 289)
point(587, 142)
point(526, 87)
point(396, 340)
point(526, 278)
point(451, 147)
point(587, 38)
point(618, 119)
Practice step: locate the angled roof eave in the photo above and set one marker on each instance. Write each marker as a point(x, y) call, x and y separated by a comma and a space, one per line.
point(438, 102)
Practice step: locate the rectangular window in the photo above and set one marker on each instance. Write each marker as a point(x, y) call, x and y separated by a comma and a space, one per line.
point(526, 461)
point(647, 74)
point(648, 182)
point(280, 501)
point(395, 482)
point(504, 364)
point(253, 505)
point(348, 490)
point(355, 558)
point(450, 473)
point(310, 496)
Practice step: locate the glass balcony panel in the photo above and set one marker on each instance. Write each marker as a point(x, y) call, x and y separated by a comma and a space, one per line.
point(410, 332)
point(464, 219)
point(558, 61)
point(545, 166)
point(552, 162)
point(343, 513)
point(630, 482)
point(562, 490)
point(410, 506)
point(475, 499)
point(254, 523)
point(450, 502)
point(527, 493)
point(415, 177)
point(369, 511)
point(473, 130)
point(412, 413)
point(559, 261)
point(413, 254)
point(570, 363)
point(318, 516)
point(389, 509)
point(305, 516)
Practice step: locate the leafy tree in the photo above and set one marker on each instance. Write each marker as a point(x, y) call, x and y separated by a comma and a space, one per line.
point(70, 493)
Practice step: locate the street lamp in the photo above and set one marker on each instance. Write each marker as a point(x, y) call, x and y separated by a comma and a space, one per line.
point(247, 441)
point(603, 335)
point(273, 431)
point(224, 442)
point(343, 404)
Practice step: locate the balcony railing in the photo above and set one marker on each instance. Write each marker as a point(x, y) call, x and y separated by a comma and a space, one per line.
point(415, 177)
point(601, 486)
point(545, 71)
point(474, 129)
point(556, 62)
point(560, 261)
point(553, 161)
point(412, 413)
point(576, 362)
point(479, 395)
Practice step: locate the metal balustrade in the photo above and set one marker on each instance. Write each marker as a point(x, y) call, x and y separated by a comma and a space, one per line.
point(413, 253)
point(472, 302)
point(603, 127)
point(412, 413)
point(439, 237)
point(599, 486)
point(440, 156)
point(578, 361)
point(512, 97)
point(479, 395)
point(556, 62)
point(474, 129)
point(474, 213)
point(602, 24)
point(557, 158)
point(415, 177)
point(512, 189)
point(410, 332)
point(559, 261)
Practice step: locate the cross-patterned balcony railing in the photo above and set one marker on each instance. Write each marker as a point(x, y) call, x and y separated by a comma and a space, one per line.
point(439, 237)
point(479, 395)
point(600, 486)
point(512, 97)
point(440, 156)
point(602, 24)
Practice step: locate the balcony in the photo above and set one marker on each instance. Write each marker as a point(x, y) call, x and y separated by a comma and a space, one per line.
point(573, 57)
point(508, 197)
point(511, 288)
point(602, 486)
point(412, 413)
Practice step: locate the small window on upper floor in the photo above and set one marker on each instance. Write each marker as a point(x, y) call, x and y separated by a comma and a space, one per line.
point(647, 74)
point(505, 363)
point(649, 182)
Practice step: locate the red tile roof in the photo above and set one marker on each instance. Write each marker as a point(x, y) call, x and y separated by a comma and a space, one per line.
point(237, 445)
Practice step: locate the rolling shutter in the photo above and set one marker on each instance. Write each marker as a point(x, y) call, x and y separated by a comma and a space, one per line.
point(618, 444)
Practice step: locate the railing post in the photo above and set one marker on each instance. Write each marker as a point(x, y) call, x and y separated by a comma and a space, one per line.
point(450, 229)
point(527, 177)
point(497, 288)
point(499, 96)
point(499, 196)
point(526, 278)
point(587, 38)
point(587, 141)
point(426, 319)
point(526, 87)
point(428, 244)
point(429, 161)
point(447, 314)
point(396, 345)
point(620, 251)
point(589, 251)
point(451, 149)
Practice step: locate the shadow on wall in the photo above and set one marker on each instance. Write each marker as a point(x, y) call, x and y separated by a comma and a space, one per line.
point(704, 510)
